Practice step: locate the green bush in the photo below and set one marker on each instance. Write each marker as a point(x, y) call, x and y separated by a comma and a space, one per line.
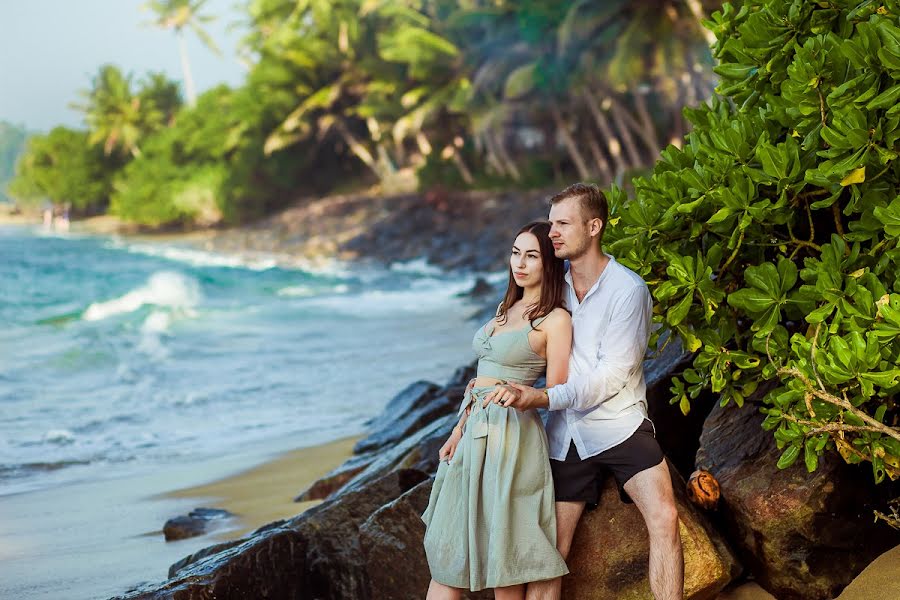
point(770, 240)
point(62, 167)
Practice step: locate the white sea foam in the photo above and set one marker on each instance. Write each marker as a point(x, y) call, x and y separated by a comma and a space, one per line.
point(418, 266)
point(306, 291)
point(164, 288)
point(424, 295)
point(196, 257)
point(254, 261)
point(59, 436)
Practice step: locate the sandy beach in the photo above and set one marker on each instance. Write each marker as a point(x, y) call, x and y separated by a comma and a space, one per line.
point(97, 539)
point(265, 493)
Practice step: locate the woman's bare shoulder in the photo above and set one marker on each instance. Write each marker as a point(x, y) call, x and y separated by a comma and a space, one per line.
point(559, 318)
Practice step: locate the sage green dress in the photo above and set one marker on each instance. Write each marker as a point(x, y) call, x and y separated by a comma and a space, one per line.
point(491, 519)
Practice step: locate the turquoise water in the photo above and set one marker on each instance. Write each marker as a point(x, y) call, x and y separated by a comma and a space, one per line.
point(119, 354)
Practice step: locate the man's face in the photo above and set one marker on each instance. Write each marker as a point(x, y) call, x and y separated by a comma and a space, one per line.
point(570, 232)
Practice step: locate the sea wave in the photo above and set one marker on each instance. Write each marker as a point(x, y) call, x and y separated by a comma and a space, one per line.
point(164, 288)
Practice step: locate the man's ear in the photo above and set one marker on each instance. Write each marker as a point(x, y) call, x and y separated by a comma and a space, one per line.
point(596, 226)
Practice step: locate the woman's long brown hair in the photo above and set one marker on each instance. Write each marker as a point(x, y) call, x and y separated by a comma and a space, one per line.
point(552, 281)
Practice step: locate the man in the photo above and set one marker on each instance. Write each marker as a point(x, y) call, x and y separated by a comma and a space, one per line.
point(598, 419)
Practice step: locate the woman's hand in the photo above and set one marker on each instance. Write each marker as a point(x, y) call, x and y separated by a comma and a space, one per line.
point(449, 448)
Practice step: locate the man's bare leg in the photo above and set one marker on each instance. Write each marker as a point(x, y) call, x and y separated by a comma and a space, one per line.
point(439, 591)
point(567, 516)
point(651, 491)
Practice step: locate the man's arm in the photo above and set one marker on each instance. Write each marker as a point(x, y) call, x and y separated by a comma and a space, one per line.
point(624, 349)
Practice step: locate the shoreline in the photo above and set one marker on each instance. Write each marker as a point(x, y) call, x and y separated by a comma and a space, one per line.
point(263, 493)
point(114, 526)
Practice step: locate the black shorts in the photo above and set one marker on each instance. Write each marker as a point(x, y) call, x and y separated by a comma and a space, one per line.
point(577, 480)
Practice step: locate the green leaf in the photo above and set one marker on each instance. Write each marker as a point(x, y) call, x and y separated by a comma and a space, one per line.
point(855, 176)
point(677, 314)
point(810, 456)
point(788, 457)
point(520, 82)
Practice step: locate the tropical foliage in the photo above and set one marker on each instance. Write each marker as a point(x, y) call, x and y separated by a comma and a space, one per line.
point(179, 15)
point(400, 93)
point(62, 166)
point(770, 240)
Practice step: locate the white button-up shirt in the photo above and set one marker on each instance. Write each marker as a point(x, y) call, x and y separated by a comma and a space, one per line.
point(604, 400)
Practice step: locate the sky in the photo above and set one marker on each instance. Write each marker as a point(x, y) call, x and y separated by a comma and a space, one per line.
point(51, 49)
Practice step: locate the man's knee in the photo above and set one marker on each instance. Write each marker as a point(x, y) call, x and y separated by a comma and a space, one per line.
point(663, 517)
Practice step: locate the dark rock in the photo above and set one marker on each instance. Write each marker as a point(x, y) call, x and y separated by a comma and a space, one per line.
point(678, 434)
point(197, 522)
point(410, 453)
point(313, 556)
point(609, 557)
point(418, 455)
point(417, 404)
point(391, 542)
point(802, 535)
point(328, 484)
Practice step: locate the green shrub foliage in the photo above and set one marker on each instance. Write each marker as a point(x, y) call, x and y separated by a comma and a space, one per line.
point(770, 240)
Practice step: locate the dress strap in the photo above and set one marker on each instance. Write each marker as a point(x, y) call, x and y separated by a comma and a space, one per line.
point(538, 321)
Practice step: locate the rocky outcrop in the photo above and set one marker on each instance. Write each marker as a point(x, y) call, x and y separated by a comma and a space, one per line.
point(407, 434)
point(802, 535)
point(610, 551)
point(316, 555)
point(394, 557)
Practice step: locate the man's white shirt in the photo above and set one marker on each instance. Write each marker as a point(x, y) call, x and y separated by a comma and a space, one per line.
point(604, 400)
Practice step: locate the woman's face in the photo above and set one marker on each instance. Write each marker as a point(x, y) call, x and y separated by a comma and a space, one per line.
point(525, 260)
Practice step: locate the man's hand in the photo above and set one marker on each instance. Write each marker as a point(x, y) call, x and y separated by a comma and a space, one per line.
point(518, 396)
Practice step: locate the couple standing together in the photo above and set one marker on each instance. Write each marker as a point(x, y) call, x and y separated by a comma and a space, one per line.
point(508, 494)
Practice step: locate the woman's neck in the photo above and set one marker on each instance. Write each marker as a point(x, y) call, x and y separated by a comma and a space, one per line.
point(531, 295)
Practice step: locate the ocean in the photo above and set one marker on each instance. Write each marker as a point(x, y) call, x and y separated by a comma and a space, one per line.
point(122, 356)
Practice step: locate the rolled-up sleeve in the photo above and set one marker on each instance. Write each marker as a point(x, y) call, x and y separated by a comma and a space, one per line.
point(628, 334)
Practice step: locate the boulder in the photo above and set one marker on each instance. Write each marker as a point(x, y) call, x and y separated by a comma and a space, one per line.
point(418, 451)
point(391, 541)
point(802, 535)
point(197, 522)
point(330, 483)
point(414, 449)
point(416, 405)
point(313, 556)
point(610, 551)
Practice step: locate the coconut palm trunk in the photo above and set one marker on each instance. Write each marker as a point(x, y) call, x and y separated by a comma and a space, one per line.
point(189, 89)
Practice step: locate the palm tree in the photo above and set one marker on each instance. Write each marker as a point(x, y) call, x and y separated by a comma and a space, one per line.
point(177, 15)
point(120, 118)
point(114, 113)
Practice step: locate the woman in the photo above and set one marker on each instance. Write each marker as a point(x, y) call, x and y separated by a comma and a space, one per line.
point(491, 521)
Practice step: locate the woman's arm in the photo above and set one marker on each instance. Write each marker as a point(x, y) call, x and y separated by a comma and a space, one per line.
point(558, 326)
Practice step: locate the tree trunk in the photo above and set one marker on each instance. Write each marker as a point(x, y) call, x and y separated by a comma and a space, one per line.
point(602, 163)
point(612, 142)
point(491, 156)
point(697, 10)
point(503, 154)
point(361, 152)
point(617, 114)
point(562, 128)
point(462, 168)
point(647, 127)
point(189, 90)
